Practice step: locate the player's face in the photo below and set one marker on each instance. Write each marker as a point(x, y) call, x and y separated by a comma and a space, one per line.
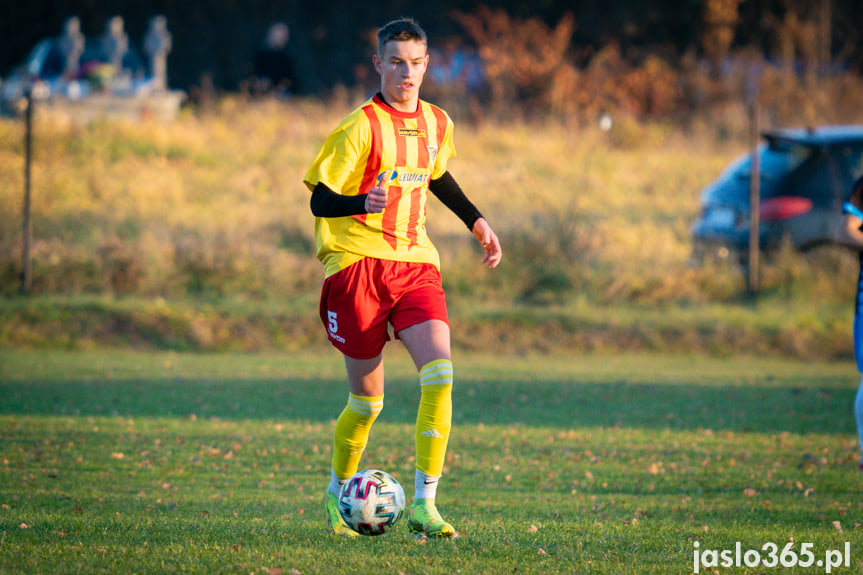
point(402, 67)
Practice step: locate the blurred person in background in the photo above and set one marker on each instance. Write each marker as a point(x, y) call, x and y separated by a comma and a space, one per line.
point(849, 232)
point(274, 69)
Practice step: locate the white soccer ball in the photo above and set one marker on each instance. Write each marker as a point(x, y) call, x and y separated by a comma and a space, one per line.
point(371, 502)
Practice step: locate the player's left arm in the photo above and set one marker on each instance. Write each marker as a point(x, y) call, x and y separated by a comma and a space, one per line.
point(489, 242)
point(447, 190)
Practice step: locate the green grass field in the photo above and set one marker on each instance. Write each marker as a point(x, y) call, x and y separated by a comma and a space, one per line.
point(123, 462)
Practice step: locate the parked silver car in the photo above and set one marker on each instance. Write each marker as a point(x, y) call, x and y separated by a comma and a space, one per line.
point(805, 176)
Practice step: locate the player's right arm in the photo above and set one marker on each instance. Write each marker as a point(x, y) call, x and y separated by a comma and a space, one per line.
point(337, 170)
point(325, 203)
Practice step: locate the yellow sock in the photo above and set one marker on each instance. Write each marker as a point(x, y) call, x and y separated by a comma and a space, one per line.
point(352, 432)
point(434, 417)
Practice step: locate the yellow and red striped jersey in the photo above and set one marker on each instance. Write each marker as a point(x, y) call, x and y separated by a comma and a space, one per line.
point(403, 151)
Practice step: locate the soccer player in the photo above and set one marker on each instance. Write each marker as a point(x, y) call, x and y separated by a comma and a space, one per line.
point(849, 233)
point(370, 185)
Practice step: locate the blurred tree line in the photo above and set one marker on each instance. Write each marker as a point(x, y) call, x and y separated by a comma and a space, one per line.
point(214, 41)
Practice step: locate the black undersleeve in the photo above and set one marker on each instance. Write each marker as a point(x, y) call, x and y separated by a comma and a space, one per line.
point(326, 203)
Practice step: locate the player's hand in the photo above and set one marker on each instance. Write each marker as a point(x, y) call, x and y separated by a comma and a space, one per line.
point(376, 200)
point(489, 242)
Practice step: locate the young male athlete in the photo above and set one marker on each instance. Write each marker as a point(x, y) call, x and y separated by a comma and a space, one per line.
point(370, 185)
point(849, 233)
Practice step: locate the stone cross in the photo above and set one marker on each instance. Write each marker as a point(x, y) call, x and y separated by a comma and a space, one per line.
point(115, 43)
point(157, 45)
point(71, 46)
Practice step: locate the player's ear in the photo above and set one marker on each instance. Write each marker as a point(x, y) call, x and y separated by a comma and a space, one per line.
point(377, 62)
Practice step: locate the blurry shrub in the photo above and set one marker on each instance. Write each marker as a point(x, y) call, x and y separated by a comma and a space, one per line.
point(122, 270)
point(550, 256)
point(525, 61)
point(610, 83)
point(530, 69)
point(822, 274)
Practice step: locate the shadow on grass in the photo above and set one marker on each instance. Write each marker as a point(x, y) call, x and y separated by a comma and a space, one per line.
point(795, 405)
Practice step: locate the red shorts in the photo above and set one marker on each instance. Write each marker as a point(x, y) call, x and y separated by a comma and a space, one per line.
point(359, 301)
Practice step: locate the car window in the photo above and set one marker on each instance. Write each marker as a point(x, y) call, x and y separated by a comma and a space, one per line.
point(776, 159)
point(822, 180)
point(54, 63)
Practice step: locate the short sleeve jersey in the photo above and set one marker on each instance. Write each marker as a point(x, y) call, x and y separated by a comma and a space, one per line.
point(379, 145)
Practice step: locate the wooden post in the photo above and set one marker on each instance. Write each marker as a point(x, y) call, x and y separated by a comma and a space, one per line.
point(825, 37)
point(754, 200)
point(26, 257)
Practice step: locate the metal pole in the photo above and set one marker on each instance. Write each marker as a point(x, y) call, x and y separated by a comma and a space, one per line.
point(754, 200)
point(26, 257)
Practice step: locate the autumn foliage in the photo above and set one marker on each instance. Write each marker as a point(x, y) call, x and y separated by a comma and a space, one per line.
point(533, 65)
point(534, 69)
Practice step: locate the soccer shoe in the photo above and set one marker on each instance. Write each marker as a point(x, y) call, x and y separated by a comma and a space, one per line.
point(335, 523)
point(424, 519)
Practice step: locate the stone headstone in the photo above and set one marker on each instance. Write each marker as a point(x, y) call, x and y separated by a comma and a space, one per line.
point(157, 45)
point(71, 47)
point(115, 43)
